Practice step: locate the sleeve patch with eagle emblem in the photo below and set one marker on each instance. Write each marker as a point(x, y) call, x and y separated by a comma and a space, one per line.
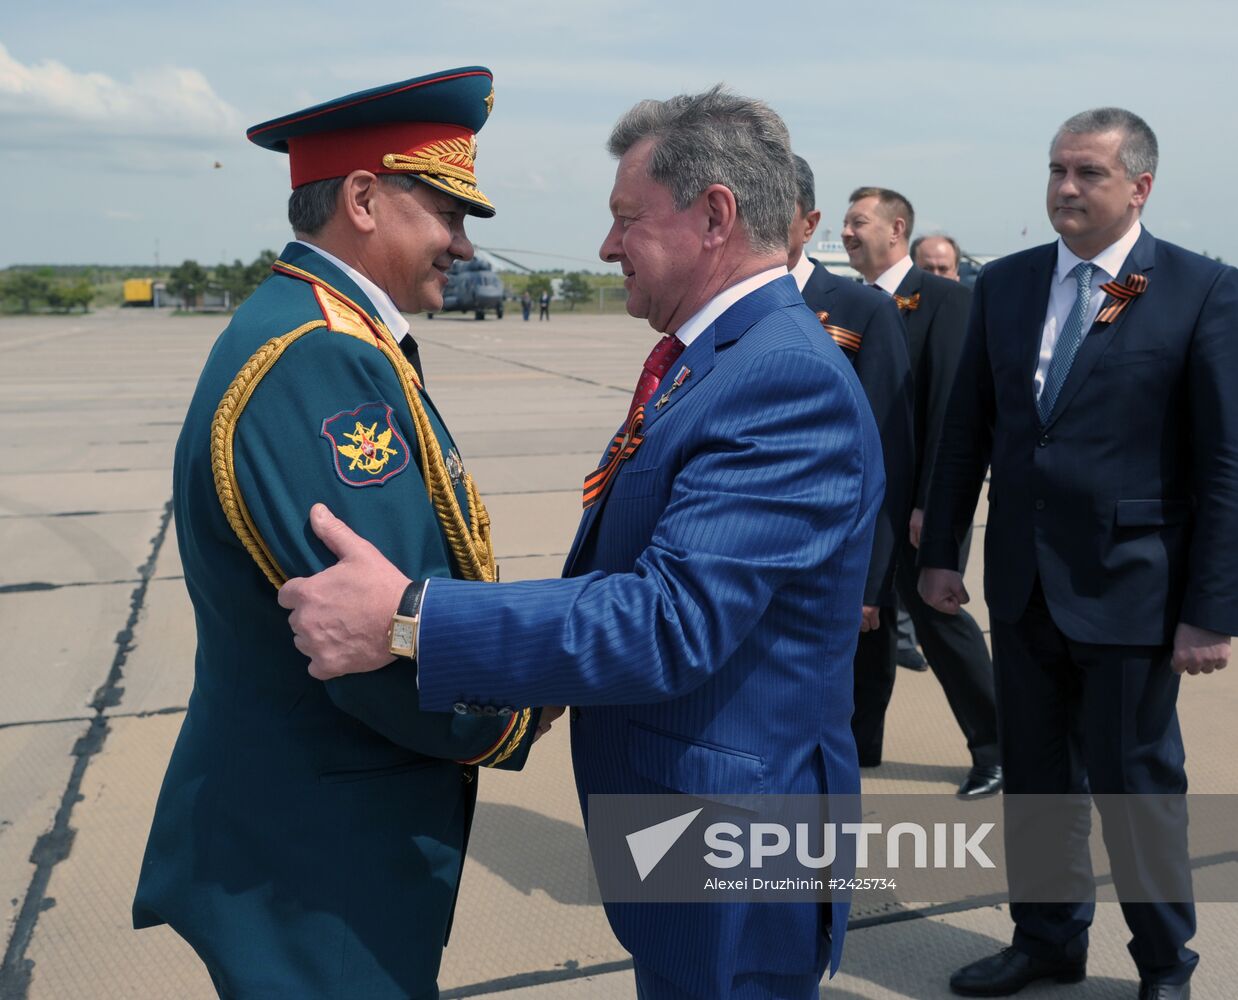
point(366, 447)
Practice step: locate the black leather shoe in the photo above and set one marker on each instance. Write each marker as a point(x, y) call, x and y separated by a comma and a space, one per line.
point(1151, 990)
point(1010, 970)
point(981, 781)
point(911, 659)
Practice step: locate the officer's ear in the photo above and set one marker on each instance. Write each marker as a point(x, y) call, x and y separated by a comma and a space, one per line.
point(358, 199)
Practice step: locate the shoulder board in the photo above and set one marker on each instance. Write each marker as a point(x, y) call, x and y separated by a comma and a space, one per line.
point(342, 314)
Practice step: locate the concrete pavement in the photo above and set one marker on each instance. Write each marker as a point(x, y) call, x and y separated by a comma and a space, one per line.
point(96, 649)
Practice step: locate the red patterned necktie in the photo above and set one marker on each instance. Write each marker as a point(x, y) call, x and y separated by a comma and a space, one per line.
point(664, 354)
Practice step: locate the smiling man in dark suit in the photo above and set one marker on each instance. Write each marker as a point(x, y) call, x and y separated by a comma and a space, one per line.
point(866, 325)
point(875, 233)
point(1100, 380)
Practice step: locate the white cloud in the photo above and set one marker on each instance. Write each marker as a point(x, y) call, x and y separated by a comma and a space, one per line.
point(49, 105)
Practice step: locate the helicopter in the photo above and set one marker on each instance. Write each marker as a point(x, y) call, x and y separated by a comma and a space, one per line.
point(472, 286)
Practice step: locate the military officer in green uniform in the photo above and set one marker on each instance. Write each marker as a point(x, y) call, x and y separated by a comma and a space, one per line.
point(314, 392)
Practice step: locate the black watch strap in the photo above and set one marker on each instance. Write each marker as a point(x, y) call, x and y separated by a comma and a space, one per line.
point(410, 603)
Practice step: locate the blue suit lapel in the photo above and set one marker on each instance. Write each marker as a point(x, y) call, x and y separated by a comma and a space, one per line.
point(699, 358)
point(588, 516)
point(1140, 260)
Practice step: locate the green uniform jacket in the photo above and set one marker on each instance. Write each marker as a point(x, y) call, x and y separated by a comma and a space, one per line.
point(309, 837)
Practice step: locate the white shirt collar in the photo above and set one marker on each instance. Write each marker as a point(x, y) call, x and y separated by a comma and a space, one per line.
point(387, 310)
point(1108, 260)
point(888, 281)
point(802, 271)
point(723, 301)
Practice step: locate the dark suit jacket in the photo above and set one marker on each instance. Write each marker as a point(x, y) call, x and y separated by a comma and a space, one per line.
point(935, 333)
point(1126, 503)
point(884, 369)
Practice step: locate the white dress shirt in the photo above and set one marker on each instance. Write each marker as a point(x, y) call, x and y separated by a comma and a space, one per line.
point(387, 310)
point(699, 321)
point(1064, 290)
point(802, 271)
point(888, 281)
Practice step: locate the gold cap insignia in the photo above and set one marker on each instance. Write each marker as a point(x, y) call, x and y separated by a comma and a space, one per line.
point(447, 165)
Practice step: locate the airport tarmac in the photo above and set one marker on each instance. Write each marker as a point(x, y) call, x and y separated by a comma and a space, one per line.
point(97, 643)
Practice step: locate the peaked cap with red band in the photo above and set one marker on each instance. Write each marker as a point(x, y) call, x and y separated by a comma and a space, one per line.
point(425, 127)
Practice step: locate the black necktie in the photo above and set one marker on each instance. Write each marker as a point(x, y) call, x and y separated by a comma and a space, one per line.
point(408, 347)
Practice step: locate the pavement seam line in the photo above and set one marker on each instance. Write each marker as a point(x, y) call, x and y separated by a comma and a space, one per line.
point(45, 515)
point(521, 364)
point(40, 586)
point(54, 846)
point(143, 714)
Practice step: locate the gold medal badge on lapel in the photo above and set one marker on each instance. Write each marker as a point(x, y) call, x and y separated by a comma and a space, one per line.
point(366, 448)
point(680, 378)
point(1121, 294)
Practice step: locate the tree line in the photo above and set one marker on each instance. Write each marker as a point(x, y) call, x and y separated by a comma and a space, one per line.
point(63, 288)
point(189, 280)
point(28, 289)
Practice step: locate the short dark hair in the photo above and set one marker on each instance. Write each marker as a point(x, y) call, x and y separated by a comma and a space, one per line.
point(805, 185)
point(311, 206)
point(958, 254)
point(1138, 152)
point(893, 202)
point(718, 138)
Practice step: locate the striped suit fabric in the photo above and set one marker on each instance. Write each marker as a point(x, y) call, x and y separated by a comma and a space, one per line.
point(707, 621)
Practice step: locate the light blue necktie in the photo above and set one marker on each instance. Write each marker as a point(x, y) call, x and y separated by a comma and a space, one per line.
point(1068, 342)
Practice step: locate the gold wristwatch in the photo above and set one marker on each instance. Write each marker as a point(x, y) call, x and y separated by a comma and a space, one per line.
point(402, 632)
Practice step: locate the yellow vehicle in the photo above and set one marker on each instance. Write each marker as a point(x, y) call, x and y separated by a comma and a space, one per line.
point(139, 292)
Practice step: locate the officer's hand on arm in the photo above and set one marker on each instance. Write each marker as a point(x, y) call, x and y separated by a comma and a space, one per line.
point(1199, 651)
point(340, 616)
point(943, 590)
point(915, 526)
point(870, 618)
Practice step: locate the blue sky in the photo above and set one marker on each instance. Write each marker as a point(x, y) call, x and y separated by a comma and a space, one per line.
point(112, 115)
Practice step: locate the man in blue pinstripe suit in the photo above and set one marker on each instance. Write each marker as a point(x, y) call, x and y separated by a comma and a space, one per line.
point(710, 605)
